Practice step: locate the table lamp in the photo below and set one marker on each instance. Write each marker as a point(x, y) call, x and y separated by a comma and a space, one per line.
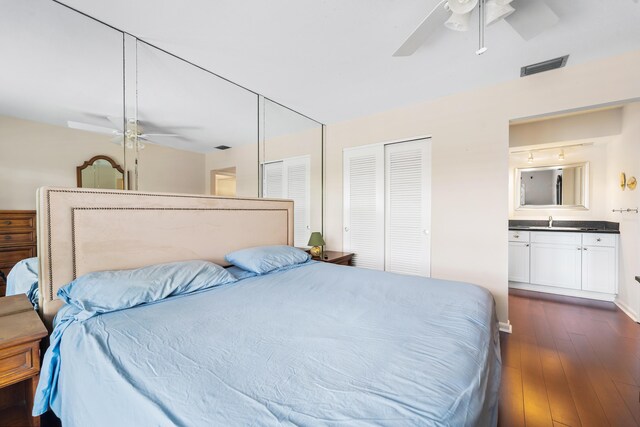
point(317, 242)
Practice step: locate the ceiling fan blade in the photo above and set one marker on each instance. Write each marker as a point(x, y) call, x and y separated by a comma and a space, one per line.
point(532, 18)
point(419, 36)
point(90, 128)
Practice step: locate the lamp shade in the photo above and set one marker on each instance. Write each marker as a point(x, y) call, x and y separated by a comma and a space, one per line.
point(458, 22)
point(316, 239)
point(497, 11)
point(462, 6)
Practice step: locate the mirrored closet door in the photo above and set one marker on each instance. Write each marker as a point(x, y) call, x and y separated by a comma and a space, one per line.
point(387, 206)
point(291, 165)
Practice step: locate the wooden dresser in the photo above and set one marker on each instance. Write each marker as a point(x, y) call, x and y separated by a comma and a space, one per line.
point(20, 333)
point(17, 240)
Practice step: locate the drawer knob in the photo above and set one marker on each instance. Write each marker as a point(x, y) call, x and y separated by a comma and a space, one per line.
point(598, 239)
point(526, 245)
point(517, 236)
point(579, 249)
point(584, 249)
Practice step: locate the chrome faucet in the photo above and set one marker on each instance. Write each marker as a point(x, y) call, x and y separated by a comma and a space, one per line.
point(550, 221)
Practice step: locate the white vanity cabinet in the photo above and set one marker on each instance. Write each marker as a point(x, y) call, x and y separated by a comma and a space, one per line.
point(577, 264)
point(599, 263)
point(519, 256)
point(556, 259)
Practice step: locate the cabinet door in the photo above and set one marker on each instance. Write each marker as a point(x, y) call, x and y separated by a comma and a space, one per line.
point(297, 181)
point(599, 269)
point(408, 208)
point(518, 262)
point(556, 265)
point(363, 205)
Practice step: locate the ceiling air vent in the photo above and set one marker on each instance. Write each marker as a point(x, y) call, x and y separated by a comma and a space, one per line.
point(222, 147)
point(543, 66)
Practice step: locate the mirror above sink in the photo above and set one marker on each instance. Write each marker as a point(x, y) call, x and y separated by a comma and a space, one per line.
point(555, 187)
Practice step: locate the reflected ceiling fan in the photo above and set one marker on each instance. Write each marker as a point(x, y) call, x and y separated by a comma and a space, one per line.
point(533, 17)
point(133, 134)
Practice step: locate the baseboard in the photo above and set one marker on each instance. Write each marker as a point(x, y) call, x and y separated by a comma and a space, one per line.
point(563, 291)
point(627, 310)
point(506, 327)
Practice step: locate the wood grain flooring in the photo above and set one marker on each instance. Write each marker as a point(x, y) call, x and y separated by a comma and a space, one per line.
point(569, 362)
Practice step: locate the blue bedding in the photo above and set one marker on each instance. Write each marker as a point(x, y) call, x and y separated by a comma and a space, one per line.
point(23, 279)
point(320, 344)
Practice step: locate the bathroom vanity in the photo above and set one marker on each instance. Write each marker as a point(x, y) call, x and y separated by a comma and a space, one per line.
point(576, 258)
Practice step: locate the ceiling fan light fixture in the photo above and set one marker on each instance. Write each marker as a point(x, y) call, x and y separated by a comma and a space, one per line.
point(462, 6)
point(458, 22)
point(496, 11)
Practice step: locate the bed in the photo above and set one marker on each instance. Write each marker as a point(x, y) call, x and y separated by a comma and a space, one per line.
point(310, 344)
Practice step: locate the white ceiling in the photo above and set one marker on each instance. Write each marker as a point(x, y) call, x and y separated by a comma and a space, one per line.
point(331, 60)
point(66, 67)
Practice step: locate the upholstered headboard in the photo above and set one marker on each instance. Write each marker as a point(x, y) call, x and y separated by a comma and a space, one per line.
point(86, 230)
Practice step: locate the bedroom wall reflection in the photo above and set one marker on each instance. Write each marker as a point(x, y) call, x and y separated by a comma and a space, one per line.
point(72, 88)
point(291, 164)
point(61, 97)
point(190, 112)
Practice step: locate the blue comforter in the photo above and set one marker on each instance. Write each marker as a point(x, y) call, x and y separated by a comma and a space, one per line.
point(316, 345)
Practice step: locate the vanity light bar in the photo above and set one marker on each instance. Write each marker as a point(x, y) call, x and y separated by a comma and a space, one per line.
point(561, 147)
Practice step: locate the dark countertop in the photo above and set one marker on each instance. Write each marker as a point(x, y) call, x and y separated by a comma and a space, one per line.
point(581, 226)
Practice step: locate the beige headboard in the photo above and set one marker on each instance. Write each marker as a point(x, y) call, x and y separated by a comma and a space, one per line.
point(85, 230)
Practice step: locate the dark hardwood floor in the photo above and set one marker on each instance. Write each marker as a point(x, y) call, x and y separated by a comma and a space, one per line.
point(569, 362)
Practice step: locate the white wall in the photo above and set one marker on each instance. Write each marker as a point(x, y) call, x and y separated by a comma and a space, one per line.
point(571, 127)
point(623, 155)
point(244, 158)
point(168, 170)
point(470, 173)
point(35, 154)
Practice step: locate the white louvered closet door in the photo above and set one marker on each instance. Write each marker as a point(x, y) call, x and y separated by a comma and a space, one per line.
point(408, 207)
point(297, 178)
point(364, 206)
point(273, 180)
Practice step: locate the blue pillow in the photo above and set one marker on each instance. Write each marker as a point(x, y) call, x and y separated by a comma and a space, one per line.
point(239, 273)
point(105, 291)
point(263, 259)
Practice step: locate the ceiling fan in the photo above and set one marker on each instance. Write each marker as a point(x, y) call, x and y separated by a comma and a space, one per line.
point(133, 133)
point(533, 17)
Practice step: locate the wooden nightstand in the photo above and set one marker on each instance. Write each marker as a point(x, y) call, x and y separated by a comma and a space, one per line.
point(334, 257)
point(20, 333)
